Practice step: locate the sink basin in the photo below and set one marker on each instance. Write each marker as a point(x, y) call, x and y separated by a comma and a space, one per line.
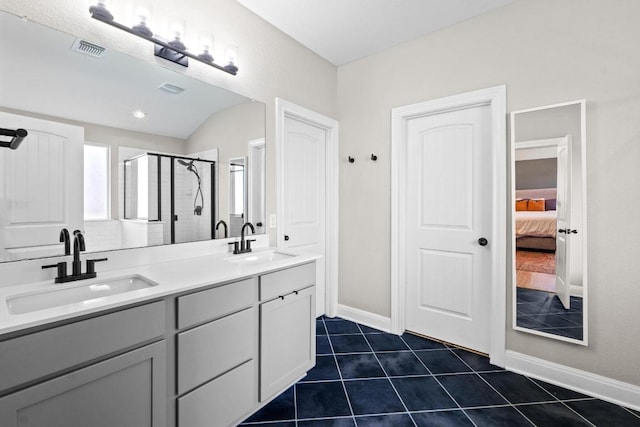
point(75, 293)
point(257, 257)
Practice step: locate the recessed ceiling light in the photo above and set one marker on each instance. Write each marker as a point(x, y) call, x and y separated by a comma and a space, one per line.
point(139, 114)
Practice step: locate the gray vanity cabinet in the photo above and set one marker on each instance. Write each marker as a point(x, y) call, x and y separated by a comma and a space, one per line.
point(287, 327)
point(217, 370)
point(88, 373)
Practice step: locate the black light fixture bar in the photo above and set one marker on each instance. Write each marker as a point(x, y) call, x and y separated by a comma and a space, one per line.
point(165, 50)
point(17, 136)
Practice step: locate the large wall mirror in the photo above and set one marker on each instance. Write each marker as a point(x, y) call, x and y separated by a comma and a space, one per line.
point(131, 153)
point(549, 221)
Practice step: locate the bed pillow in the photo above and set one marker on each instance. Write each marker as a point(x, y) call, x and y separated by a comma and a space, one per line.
point(535, 205)
point(550, 205)
point(521, 204)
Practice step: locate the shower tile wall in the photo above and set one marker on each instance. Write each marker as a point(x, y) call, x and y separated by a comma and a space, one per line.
point(190, 227)
point(115, 234)
point(102, 235)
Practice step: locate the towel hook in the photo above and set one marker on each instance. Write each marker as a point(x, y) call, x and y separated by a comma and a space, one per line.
point(374, 157)
point(351, 159)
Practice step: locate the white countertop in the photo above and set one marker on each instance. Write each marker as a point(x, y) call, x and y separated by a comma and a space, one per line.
point(171, 277)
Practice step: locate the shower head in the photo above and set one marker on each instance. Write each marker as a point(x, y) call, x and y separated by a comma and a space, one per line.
point(189, 165)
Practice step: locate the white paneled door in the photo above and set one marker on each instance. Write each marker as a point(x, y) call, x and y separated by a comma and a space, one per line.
point(304, 204)
point(41, 187)
point(448, 226)
point(563, 239)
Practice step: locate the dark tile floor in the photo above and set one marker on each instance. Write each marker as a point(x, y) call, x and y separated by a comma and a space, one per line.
point(542, 311)
point(364, 377)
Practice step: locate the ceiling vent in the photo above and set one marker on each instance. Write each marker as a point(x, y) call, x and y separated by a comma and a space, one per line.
point(171, 88)
point(87, 48)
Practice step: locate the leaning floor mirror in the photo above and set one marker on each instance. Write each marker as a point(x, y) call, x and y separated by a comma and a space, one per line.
point(549, 221)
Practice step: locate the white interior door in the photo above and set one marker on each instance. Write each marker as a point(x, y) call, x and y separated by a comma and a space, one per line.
point(303, 175)
point(41, 187)
point(563, 211)
point(448, 212)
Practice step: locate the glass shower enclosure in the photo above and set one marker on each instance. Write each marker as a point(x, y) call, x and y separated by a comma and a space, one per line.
point(175, 193)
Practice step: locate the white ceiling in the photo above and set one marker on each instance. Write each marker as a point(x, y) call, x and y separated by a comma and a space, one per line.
point(342, 31)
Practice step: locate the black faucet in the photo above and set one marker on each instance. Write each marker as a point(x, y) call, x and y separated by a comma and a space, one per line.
point(76, 265)
point(78, 246)
point(226, 229)
point(245, 246)
point(66, 239)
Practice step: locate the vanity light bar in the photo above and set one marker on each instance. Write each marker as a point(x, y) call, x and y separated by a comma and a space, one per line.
point(170, 51)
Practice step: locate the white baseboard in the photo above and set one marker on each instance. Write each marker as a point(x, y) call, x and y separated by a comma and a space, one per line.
point(604, 388)
point(576, 290)
point(365, 318)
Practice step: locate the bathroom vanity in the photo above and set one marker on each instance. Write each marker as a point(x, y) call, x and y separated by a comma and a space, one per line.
point(197, 349)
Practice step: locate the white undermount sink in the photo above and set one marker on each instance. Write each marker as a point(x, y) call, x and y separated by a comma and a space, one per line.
point(57, 295)
point(257, 257)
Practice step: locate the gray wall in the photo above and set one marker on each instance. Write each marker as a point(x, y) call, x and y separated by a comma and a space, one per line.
point(539, 173)
point(547, 52)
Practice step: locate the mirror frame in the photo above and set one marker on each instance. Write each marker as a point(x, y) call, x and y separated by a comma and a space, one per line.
point(583, 208)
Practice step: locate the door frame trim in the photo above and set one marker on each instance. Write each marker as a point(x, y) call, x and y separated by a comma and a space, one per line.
point(288, 109)
point(495, 97)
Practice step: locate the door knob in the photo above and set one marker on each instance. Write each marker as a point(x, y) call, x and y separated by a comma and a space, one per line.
point(286, 237)
point(482, 241)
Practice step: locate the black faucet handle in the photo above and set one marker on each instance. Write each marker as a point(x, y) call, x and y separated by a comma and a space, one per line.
point(236, 249)
point(248, 248)
point(91, 264)
point(62, 270)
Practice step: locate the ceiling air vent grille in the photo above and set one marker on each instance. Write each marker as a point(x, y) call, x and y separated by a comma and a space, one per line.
point(87, 48)
point(171, 88)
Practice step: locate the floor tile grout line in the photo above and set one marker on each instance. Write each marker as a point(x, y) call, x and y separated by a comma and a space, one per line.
point(344, 388)
point(510, 403)
point(295, 403)
point(438, 381)
point(387, 376)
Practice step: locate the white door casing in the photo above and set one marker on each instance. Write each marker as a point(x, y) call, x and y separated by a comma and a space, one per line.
point(256, 184)
point(41, 186)
point(308, 127)
point(563, 222)
point(495, 100)
point(448, 210)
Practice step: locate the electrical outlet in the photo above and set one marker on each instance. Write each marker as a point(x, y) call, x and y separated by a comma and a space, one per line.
point(272, 221)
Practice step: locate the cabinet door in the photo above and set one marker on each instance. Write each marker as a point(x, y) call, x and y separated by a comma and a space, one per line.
point(287, 340)
point(126, 390)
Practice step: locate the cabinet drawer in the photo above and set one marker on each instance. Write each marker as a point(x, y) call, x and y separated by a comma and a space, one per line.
point(217, 302)
point(36, 355)
point(283, 282)
point(221, 402)
point(216, 347)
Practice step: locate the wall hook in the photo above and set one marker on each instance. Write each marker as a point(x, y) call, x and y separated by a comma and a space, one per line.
point(351, 159)
point(374, 157)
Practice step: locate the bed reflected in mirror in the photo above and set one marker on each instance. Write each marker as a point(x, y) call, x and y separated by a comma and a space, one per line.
point(549, 221)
